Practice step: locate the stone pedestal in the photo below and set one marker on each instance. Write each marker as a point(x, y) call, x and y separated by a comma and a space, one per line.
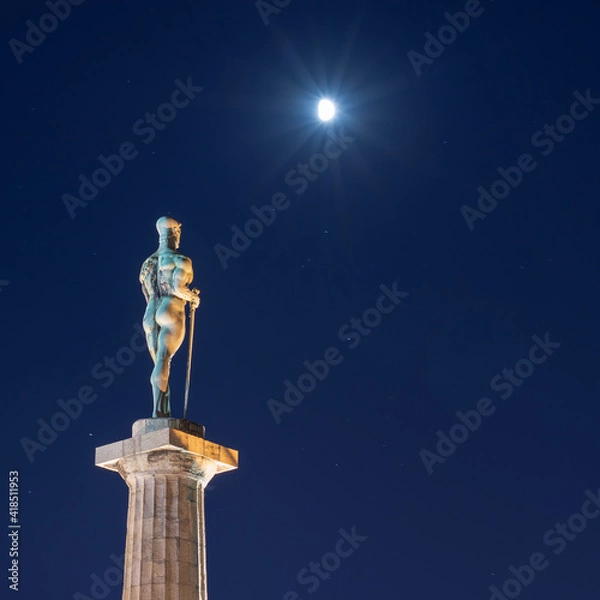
point(166, 464)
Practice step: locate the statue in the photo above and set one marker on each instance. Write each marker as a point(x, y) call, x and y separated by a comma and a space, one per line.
point(165, 277)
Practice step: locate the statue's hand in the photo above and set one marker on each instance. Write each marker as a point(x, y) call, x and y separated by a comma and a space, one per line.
point(195, 299)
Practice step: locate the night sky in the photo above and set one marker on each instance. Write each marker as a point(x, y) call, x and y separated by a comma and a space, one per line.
point(437, 242)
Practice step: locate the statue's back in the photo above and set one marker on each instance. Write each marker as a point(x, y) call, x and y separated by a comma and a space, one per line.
point(149, 277)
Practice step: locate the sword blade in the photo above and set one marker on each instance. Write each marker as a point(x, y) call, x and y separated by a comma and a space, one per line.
point(189, 365)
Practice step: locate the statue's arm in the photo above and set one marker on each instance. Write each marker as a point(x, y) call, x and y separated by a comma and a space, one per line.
point(182, 277)
point(144, 271)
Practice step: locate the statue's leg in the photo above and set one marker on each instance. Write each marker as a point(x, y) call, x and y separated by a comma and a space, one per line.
point(170, 337)
point(162, 406)
point(166, 402)
point(160, 386)
point(151, 329)
point(168, 398)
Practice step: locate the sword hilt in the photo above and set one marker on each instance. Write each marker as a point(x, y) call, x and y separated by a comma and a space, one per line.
point(197, 292)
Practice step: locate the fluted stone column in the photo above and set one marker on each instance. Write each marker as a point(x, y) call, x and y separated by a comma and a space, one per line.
point(167, 464)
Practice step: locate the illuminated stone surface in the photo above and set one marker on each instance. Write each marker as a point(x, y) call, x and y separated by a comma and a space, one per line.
point(167, 464)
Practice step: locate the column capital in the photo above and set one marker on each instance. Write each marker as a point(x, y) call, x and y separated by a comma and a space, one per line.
point(167, 446)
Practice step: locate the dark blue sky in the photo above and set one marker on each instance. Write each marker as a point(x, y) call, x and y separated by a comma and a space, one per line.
point(392, 201)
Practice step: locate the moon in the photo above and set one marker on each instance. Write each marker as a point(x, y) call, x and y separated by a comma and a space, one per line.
point(326, 110)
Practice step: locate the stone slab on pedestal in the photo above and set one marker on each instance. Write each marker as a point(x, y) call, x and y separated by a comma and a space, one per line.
point(166, 465)
point(157, 434)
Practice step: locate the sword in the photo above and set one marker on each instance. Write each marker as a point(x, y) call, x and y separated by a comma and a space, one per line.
point(189, 364)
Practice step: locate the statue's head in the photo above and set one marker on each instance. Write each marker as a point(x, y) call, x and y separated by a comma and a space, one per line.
point(169, 231)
